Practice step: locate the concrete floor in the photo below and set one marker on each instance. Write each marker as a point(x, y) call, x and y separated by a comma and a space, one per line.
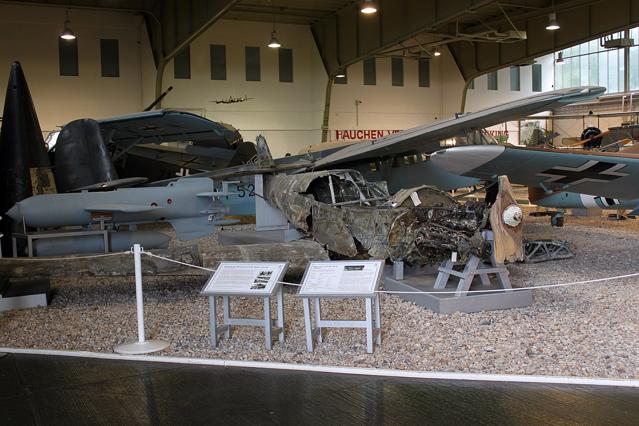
point(36, 389)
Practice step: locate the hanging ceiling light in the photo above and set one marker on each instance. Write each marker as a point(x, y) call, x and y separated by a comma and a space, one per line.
point(560, 59)
point(368, 7)
point(341, 73)
point(437, 52)
point(552, 22)
point(275, 42)
point(67, 33)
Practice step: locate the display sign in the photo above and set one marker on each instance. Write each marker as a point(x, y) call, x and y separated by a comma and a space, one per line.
point(341, 278)
point(345, 135)
point(246, 278)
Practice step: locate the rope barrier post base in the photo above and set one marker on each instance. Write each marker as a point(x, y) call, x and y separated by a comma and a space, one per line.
point(142, 346)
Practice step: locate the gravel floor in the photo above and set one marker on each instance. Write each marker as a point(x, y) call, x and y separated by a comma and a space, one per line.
point(577, 331)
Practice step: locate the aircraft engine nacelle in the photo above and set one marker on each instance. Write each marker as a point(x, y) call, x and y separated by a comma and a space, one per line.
point(81, 156)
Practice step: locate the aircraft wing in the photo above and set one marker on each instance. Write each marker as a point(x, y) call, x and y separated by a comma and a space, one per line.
point(426, 138)
point(607, 174)
point(167, 125)
point(186, 156)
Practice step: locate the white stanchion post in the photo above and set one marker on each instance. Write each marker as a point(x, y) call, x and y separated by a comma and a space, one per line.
point(142, 346)
point(139, 302)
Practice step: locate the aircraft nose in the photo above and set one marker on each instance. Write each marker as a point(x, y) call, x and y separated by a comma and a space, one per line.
point(14, 212)
point(462, 159)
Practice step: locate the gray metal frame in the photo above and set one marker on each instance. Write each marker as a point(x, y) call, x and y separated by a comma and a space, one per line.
point(473, 267)
point(31, 236)
point(372, 323)
point(313, 322)
point(271, 326)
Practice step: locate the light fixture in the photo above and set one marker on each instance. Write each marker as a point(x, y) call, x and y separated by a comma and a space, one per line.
point(560, 59)
point(275, 42)
point(341, 73)
point(552, 22)
point(67, 33)
point(368, 7)
point(437, 52)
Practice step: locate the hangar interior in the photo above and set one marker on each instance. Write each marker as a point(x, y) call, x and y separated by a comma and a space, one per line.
point(107, 77)
point(237, 183)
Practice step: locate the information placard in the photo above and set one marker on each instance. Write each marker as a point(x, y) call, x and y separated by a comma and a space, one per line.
point(337, 278)
point(245, 278)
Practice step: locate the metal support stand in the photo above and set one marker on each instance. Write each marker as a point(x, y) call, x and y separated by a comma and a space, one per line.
point(372, 323)
point(30, 237)
point(473, 267)
point(270, 326)
point(142, 346)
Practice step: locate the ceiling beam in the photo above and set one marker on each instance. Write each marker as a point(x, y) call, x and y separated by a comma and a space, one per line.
point(580, 21)
point(348, 36)
point(179, 24)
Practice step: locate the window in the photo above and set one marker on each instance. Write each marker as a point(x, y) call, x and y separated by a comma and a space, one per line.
point(342, 80)
point(492, 80)
point(370, 73)
point(633, 77)
point(536, 77)
point(471, 85)
point(515, 79)
point(218, 62)
point(68, 54)
point(252, 63)
point(110, 58)
point(182, 64)
point(590, 64)
point(286, 65)
point(397, 71)
point(423, 69)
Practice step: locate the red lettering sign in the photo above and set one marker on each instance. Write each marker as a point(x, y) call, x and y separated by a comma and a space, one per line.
point(362, 134)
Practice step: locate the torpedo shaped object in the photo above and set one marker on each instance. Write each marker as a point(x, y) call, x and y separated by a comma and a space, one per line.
point(24, 163)
point(118, 241)
point(188, 204)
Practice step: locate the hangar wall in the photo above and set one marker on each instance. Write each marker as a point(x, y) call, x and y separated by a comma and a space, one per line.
point(289, 114)
point(30, 35)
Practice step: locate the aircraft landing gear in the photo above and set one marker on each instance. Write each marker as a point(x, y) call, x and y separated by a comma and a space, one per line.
point(557, 219)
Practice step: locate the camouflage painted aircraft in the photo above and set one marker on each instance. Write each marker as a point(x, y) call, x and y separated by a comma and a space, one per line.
point(401, 159)
point(563, 178)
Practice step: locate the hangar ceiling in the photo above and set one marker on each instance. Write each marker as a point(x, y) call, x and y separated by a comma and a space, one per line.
point(482, 35)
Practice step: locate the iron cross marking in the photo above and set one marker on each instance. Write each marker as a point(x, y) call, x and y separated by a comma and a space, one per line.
point(590, 171)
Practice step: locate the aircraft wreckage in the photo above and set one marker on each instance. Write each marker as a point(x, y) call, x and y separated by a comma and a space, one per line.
point(354, 218)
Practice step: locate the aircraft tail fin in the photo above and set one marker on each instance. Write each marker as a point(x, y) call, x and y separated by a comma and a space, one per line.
point(264, 157)
point(189, 228)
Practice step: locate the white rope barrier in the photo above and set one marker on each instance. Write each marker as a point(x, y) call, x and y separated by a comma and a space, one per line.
point(500, 290)
point(176, 261)
point(293, 284)
point(538, 287)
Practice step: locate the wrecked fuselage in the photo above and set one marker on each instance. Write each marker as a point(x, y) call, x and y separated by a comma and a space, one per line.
point(358, 219)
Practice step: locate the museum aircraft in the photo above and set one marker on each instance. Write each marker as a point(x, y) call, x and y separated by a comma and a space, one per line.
point(401, 159)
point(566, 178)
